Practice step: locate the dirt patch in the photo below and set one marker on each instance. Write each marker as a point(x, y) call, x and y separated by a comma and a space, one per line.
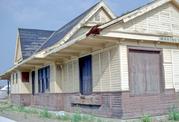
point(26, 117)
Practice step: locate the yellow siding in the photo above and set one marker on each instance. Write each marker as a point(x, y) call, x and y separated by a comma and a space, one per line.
point(58, 79)
point(103, 16)
point(124, 68)
point(105, 73)
point(96, 65)
point(161, 20)
point(106, 70)
point(36, 80)
point(167, 63)
point(53, 83)
point(24, 88)
point(70, 77)
point(76, 76)
point(115, 70)
point(176, 69)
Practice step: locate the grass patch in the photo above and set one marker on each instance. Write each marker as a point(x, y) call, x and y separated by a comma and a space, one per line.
point(45, 114)
point(174, 114)
point(64, 117)
point(146, 118)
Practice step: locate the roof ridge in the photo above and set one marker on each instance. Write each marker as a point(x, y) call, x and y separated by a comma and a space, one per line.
point(35, 29)
point(68, 24)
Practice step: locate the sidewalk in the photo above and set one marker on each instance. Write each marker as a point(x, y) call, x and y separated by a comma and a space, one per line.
point(3, 119)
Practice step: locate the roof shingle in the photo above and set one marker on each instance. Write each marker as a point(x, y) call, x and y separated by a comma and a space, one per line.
point(61, 33)
point(31, 40)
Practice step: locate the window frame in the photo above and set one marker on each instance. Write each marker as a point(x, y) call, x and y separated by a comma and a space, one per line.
point(43, 78)
point(23, 78)
point(162, 80)
point(81, 84)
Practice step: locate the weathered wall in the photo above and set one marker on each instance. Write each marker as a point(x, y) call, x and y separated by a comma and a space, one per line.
point(17, 86)
point(162, 20)
point(106, 70)
point(170, 62)
point(68, 74)
point(106, 104)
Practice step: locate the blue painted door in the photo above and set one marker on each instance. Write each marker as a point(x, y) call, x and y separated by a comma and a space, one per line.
point(85, 66)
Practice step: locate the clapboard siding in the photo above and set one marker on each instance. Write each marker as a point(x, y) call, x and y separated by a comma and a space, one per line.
point(18, 86)
point(115, 69)
point(53, 85)
point(176, 69)
point(69, 73)
point(96, 66)
point(101, 15)
point(106, 70)
point(124, 67)
point(167, 63)
point(105, 73)
point(161, 20)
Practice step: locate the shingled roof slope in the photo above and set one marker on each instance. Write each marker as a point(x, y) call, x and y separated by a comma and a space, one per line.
point(31, 40)
point(63, 31)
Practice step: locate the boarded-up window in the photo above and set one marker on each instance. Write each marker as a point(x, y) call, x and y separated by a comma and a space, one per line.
point(144, 71)
point(85, 66)
point(25, 76)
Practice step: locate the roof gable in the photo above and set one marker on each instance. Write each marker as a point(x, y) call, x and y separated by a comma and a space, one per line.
point(31, 40)
point(67, 31)
point(139, 12)
point(160, 21)
point(100, 17)
point(18, 52)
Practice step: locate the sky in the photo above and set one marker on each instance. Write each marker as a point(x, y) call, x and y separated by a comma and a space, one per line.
point(44, 14)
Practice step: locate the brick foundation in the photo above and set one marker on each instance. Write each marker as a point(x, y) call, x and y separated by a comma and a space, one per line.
point(109, 104)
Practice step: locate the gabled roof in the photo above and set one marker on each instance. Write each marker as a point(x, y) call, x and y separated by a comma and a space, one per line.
point(31, 40)
point(138, 12)
point(66, 29)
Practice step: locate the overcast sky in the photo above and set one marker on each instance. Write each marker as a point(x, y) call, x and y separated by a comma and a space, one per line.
point(44, 14)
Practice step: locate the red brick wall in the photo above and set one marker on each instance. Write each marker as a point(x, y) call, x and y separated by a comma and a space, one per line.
point(109, 104)
point(150, 105)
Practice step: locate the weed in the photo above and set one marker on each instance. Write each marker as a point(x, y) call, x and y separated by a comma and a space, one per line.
point(63, 117)
point(20, 108)
point(45, 114)
point(146, 118)
point(173, 114)
point(76, 117)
